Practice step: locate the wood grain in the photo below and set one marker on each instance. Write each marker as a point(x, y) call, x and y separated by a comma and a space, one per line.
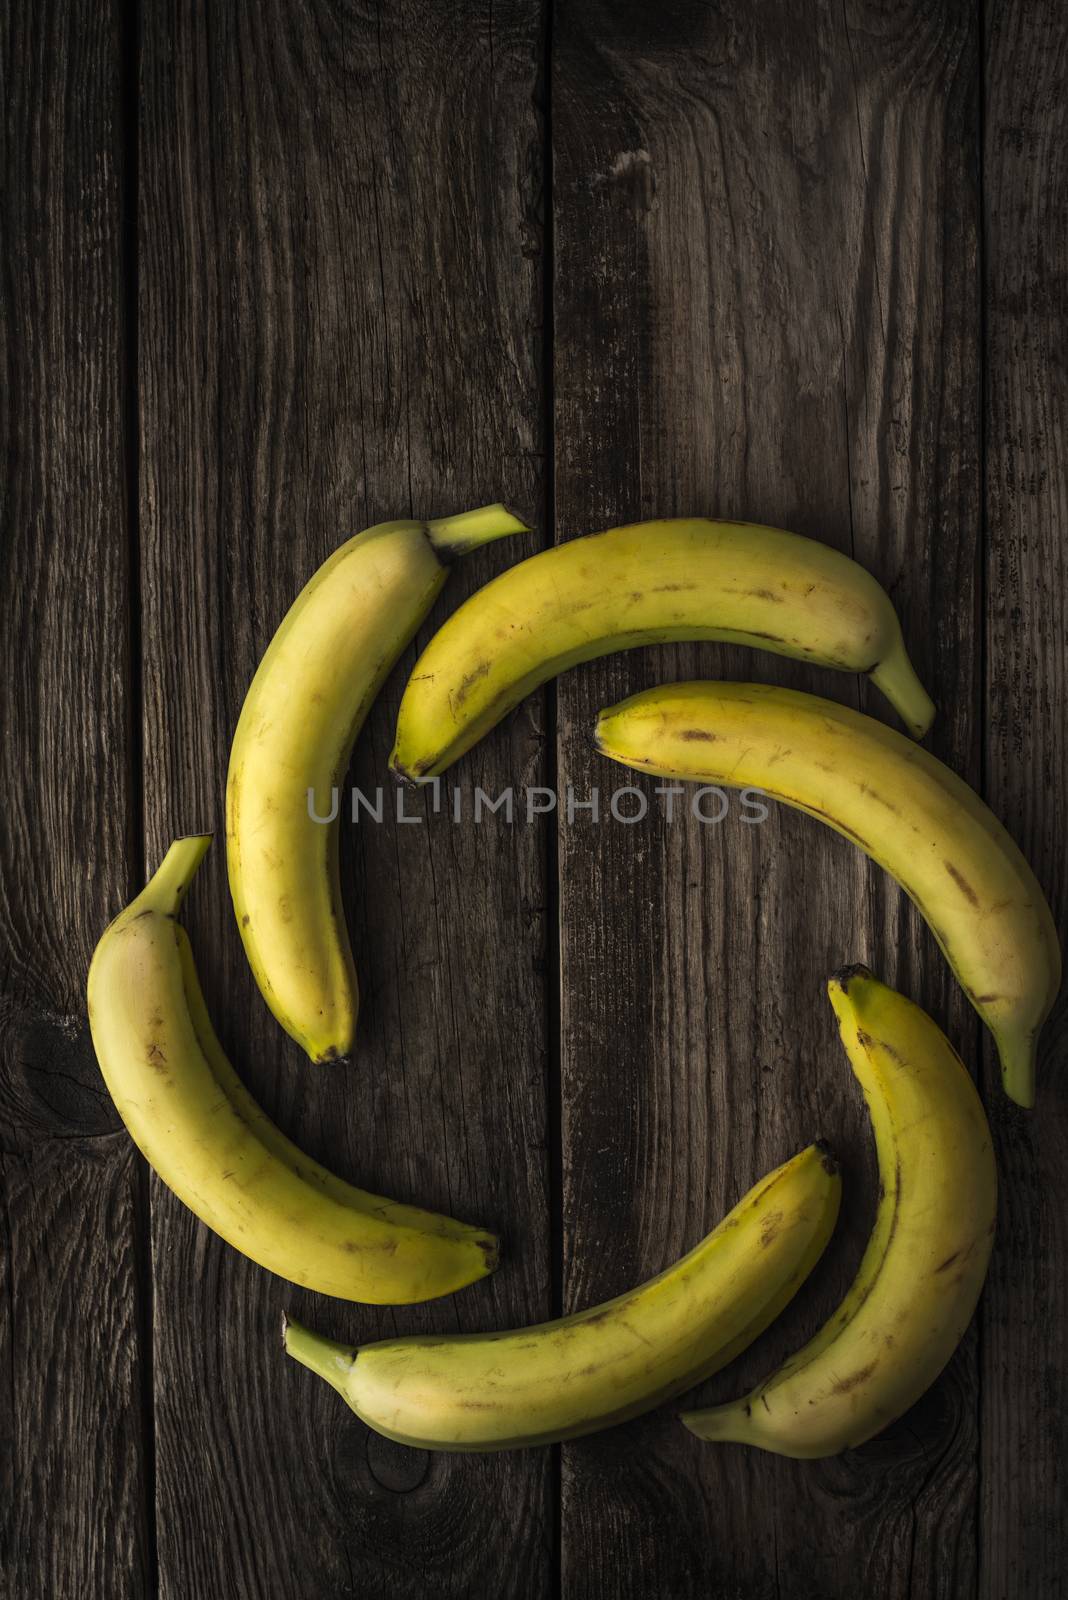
point(339, 320)
point(767, 301)
point(1025, 1367)
point(765, 307)
point(74, 1490)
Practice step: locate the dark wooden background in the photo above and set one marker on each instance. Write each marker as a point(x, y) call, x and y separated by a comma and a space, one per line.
point(274, 271)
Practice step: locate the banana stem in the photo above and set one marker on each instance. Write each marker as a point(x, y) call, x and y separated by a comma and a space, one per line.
point(455, 536)
point(896, 677)
point(729, 1424)
point(325, 1357)
point(166, 889)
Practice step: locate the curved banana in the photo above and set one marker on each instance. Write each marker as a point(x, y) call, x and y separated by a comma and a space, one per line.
point(925, 1263)
point(688, 578)
point(498, 1391)
point(210, 1142)
point(910, 813)
point(308, 699)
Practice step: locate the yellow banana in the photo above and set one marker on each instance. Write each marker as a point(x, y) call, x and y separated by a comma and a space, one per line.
point(688, 578)
point(924, 1267)
point(210, 1142)
point(308, 699)
point(904, 808)
point(496, 1391)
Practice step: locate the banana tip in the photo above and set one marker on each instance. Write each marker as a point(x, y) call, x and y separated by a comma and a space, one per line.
point(333, 1057)
point(828, 1160)
point(491, 1249)
point(407, 779)
point(856, 972)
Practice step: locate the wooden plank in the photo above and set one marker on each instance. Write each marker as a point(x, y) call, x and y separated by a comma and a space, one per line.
point(1025, 1389)
point(74, 1482)
point(765, 307)
point(340, 319)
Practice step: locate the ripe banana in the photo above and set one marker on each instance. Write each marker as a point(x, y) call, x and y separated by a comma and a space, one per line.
point(211, 1143)
point(498, 1391)
point(910, 813)
point(924, 1267)
point(308, 699)
point(688, 578)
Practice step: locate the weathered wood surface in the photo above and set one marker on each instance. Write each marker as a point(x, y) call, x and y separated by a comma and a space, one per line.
point(339, 323)
point(273, 273)
point(1024, 1509)
point(781, 247)
point(74, 1507)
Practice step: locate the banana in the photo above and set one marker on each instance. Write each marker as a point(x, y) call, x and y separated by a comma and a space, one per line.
point(210, 1142)
point(499, 1391)
point(308, 699)
point(925, 1263)
point(688, 578)
point(910, 813)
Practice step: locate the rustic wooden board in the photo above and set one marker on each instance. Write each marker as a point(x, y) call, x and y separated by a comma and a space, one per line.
point(340, 323)
point(275, 272)
point(75, 1485)
point(1025, 1368)
point(766, 307)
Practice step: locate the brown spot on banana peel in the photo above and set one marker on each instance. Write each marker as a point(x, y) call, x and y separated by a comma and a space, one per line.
point(468, 681)
point(702, 734)
point(844, 1385)
point(770, 1228)
point(866, 1041)
point(962, 883)
point(873, 794)
point(959, 1257)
